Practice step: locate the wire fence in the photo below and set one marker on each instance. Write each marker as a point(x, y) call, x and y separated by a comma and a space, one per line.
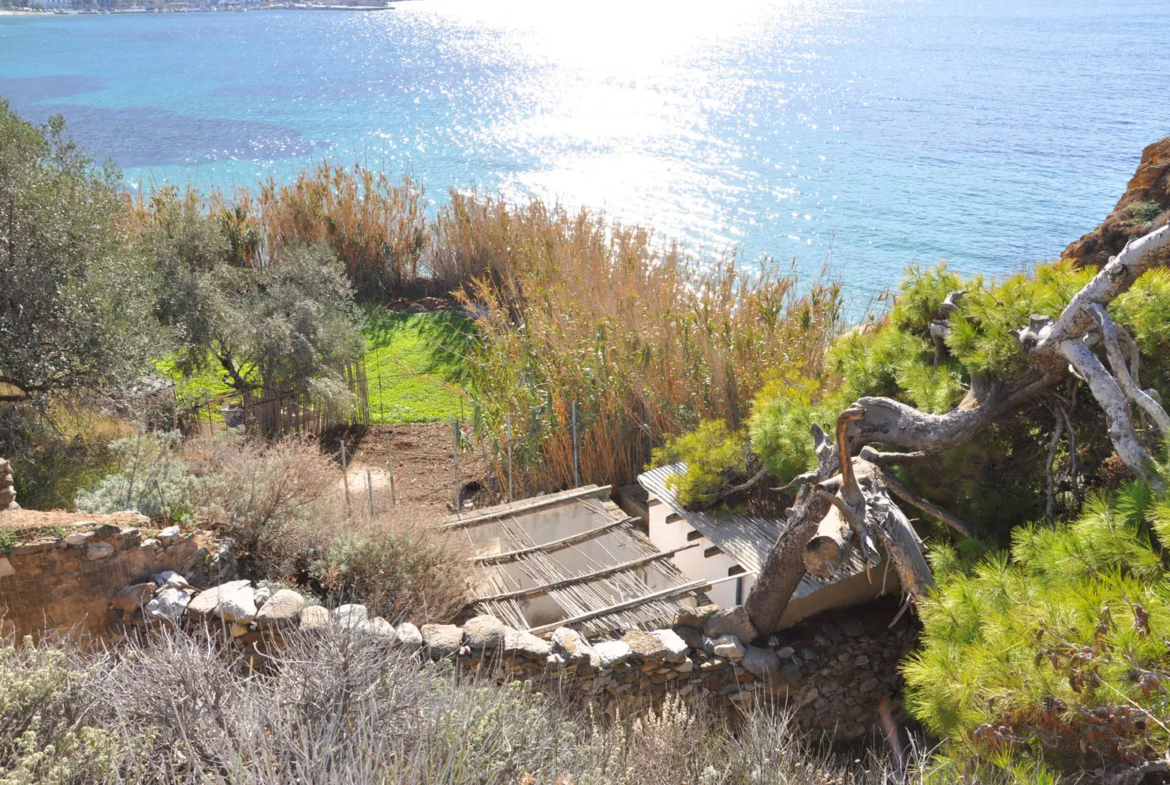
point(272, 415)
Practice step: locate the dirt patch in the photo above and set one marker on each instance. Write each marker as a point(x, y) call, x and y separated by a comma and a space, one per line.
point(422, 458)
point(29, 520)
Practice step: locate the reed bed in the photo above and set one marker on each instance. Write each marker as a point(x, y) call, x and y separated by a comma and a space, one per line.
point(642, 337)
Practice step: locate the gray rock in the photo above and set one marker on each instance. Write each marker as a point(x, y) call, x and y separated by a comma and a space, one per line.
point(484, 632)
point(314, 617)
point(168, 535)
point(760, 662)
point(525, 643)
point(107, 531)
point(171, 578)
point(237, 607)
point(695, 617)
point(151, 543)
point(350, 616)
point(691, 636)
point(612, 653)
point(674, 646)
point(409, 636)
point(377, 626)
point(261, 596)
point(786, 652)
point(282, 609)
point(99, 550)
point(441, 640)
point(78, 539)
point(727, 647)
point(204, 604)
point(730, 621)
point(572, 645)
point(853, 627)
point(133, 597)
point(168, 605)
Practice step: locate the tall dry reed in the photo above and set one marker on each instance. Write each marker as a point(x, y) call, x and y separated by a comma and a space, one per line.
point(642, 337)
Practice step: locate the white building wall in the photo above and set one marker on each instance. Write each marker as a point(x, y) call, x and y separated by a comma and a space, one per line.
point(668, 531)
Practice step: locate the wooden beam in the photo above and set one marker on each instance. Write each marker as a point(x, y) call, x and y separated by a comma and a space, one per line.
point(527, 505)
point(664, 594)
point(537, 591)
point(550, 547)
point(714, 550)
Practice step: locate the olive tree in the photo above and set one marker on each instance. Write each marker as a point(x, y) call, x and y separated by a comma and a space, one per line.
point(74, 300)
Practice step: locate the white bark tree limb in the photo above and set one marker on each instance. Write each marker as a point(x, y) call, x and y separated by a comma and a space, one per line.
point(1127, 382)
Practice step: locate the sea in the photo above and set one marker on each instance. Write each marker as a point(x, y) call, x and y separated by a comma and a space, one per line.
point(859, 135)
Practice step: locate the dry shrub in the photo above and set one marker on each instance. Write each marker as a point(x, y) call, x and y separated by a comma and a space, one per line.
point(262, 495)
point(399, 566)
point(345, 707)
point(645, 339)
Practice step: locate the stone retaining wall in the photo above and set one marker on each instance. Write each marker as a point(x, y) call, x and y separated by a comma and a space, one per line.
point(62, 580)
point(834, 670)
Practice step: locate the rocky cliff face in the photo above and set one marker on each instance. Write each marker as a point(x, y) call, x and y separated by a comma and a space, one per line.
point(1144, 207)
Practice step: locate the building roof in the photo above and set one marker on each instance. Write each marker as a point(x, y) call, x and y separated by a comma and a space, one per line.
point(745, 538)
point(601, 593)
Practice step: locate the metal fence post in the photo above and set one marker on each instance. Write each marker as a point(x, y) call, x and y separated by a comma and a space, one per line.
point(576, 451)
point(509, 419)
point(390, 469)
point(370, 491)
point(458, 500)
point(345, 478)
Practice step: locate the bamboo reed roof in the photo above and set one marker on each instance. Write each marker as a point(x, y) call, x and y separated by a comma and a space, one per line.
point(603, 591)
point(744, 538)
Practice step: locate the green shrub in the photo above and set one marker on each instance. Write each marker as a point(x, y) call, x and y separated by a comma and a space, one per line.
point(781, 425)
point(1143, 212)
point(1052, 658)
point(153, 480)
point(713, 454)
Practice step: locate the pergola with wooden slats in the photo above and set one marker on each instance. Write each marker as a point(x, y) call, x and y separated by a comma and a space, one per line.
point(599, 577)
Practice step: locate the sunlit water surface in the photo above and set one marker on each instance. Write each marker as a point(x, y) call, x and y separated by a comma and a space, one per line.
point(871, 133)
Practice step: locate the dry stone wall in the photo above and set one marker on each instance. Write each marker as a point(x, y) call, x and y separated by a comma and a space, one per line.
point(833, 671)
point(62, 579)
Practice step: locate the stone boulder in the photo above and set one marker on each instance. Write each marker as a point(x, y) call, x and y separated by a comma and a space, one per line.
point(675, 647)
point(169, 605)
point(281, 610)
point(572, 645)
point(519, 642)
point(695, 617)
point(484, 633)
point(730, 621)
point(237, 607)
point(728, 647)
point(377, 627)
point(204, 604)
point(133, 597)
point(612, 653)
point(645, 645)
point(99, 550)
point(441, 640)
point(761, 662)
point(409, 636)
point(350, 616)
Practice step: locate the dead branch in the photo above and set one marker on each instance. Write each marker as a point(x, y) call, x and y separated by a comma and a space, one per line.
point(1125, 374)
point(930, 508)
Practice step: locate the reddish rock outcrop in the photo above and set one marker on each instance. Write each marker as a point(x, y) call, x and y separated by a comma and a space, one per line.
point(1135, 213)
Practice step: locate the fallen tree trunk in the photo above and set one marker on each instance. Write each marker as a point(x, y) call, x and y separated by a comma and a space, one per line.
point(825, 522)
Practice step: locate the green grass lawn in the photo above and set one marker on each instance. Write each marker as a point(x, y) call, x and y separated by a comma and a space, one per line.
point(414, 365)
point(414, 368)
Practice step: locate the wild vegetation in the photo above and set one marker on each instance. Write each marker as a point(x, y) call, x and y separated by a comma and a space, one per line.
point(1044, 662)
point(345, 708)
point(1052, 660)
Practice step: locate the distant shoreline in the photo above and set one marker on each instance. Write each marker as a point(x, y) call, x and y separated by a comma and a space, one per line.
point(389, 5)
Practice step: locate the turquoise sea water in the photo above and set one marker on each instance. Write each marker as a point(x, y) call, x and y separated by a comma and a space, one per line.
point(989, 133)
